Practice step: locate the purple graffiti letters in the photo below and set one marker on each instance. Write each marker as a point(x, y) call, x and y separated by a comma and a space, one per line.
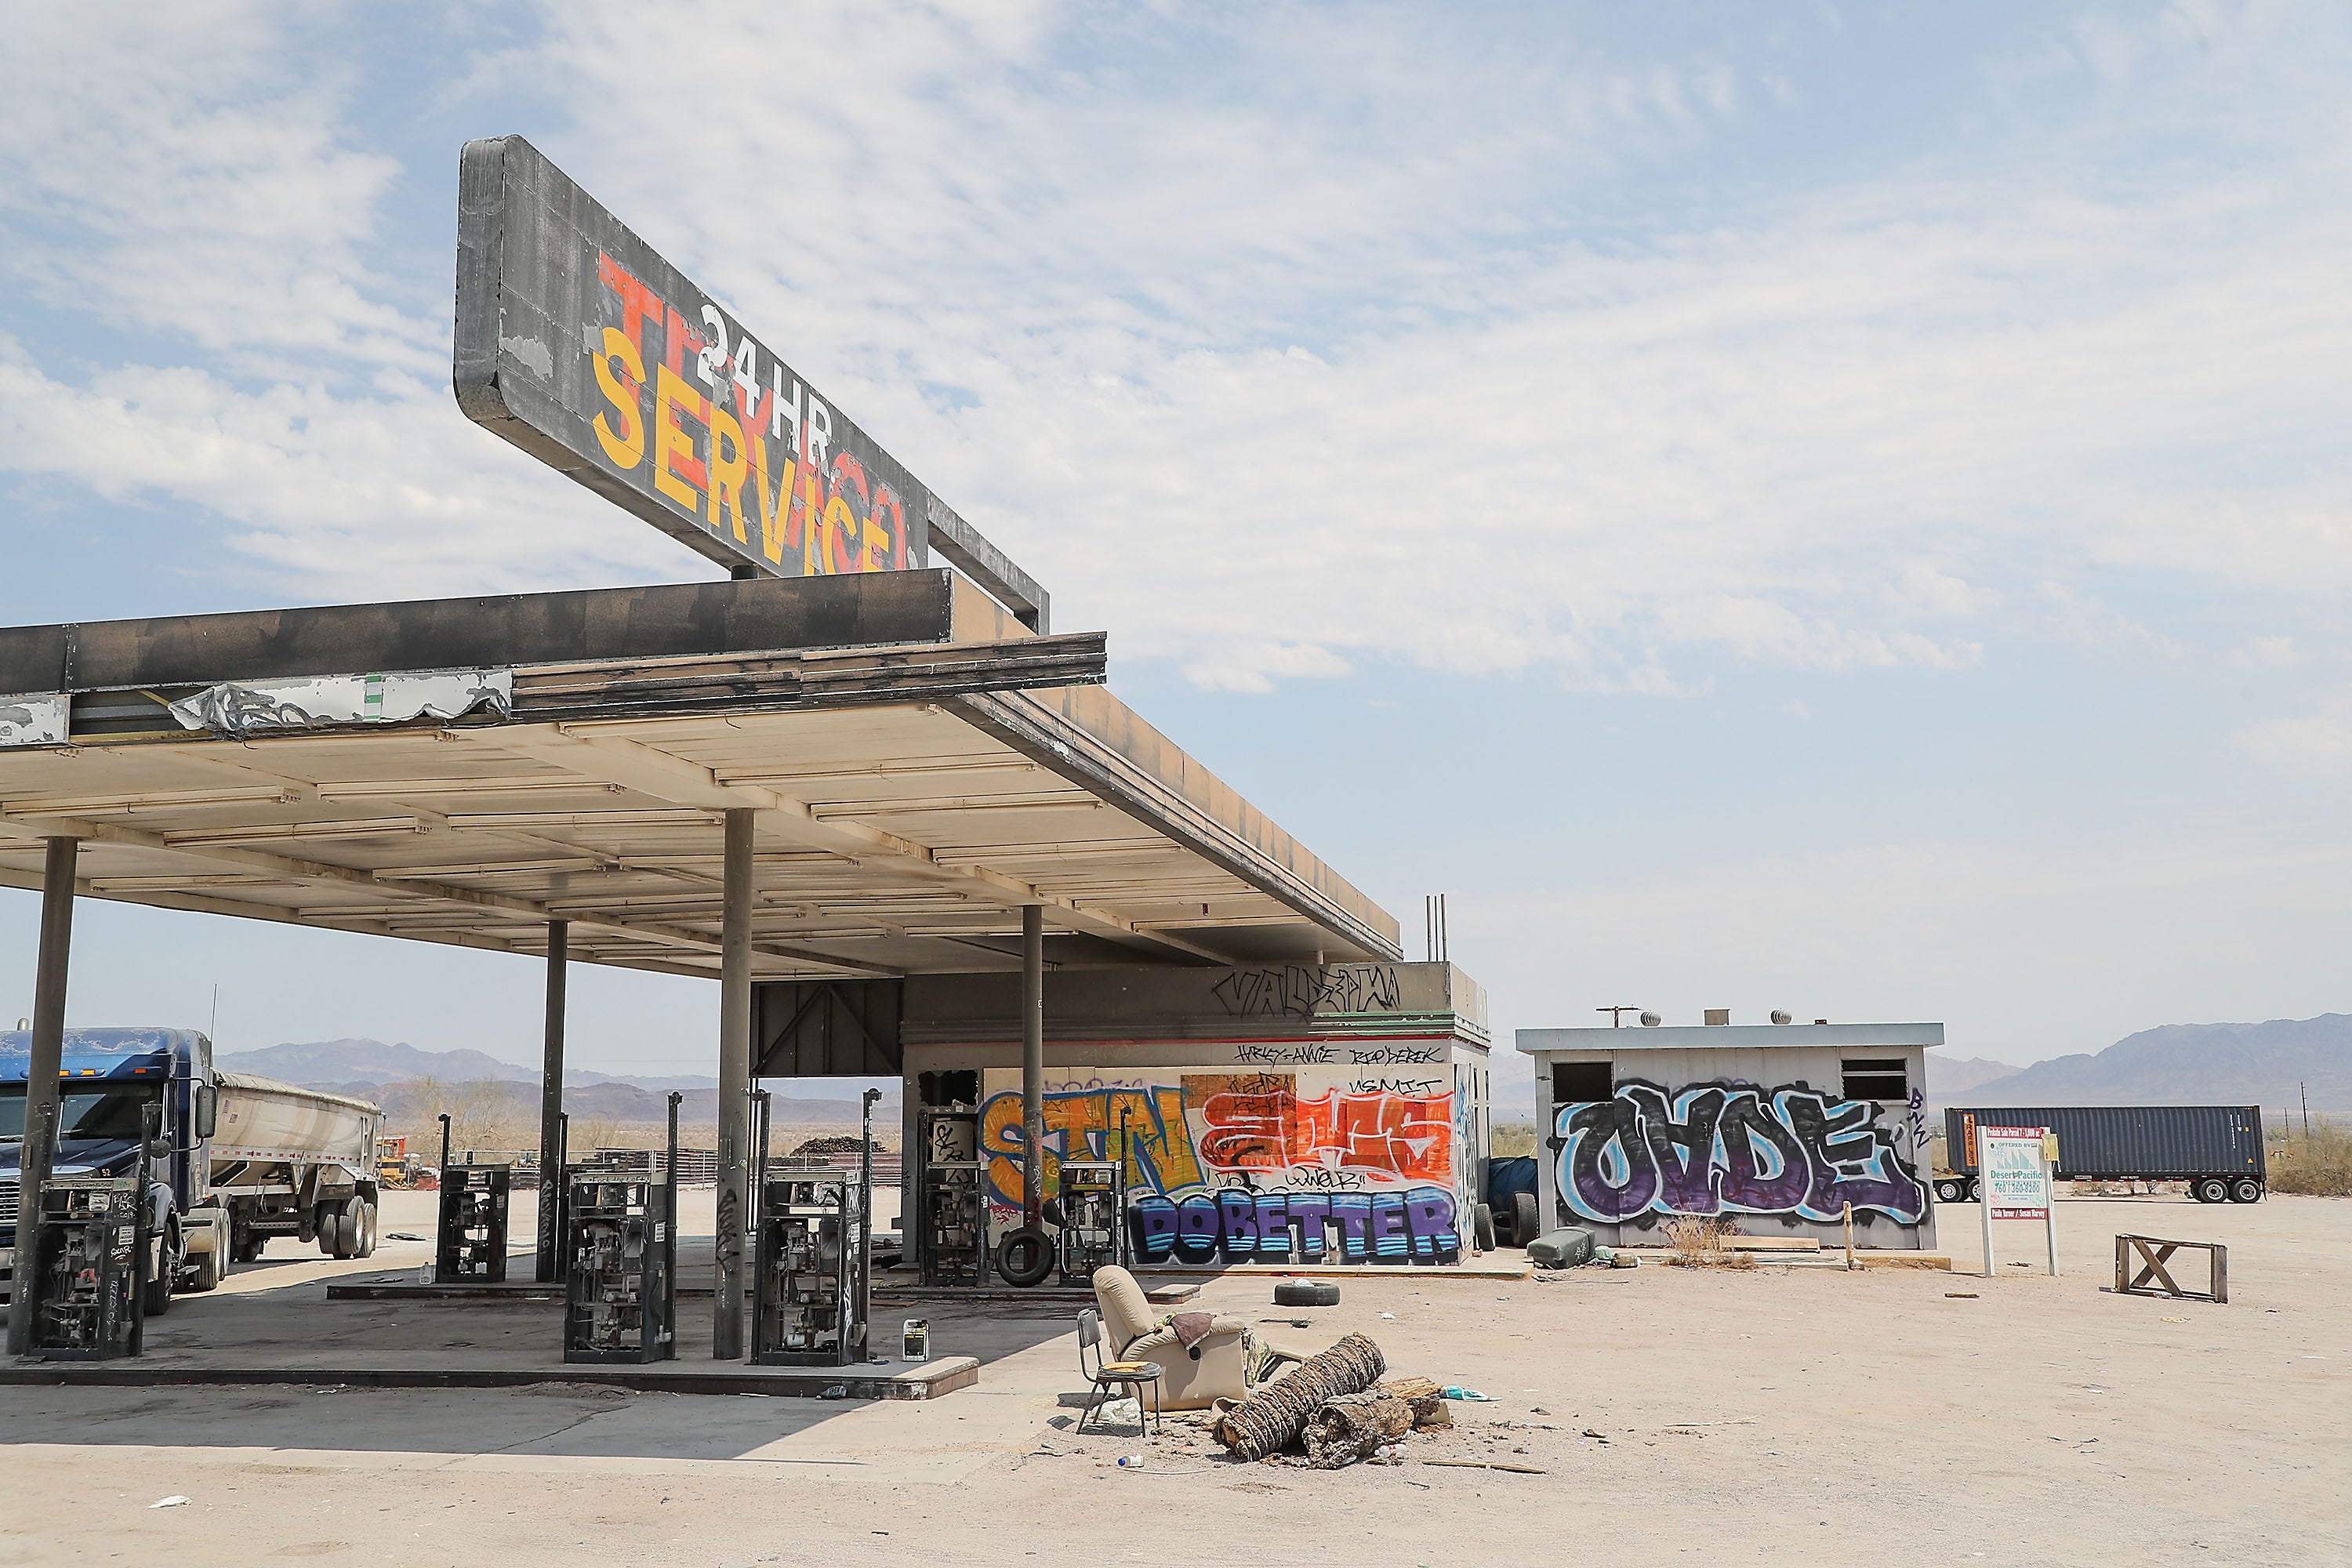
point(1725, 1148)
point(1415, 1226)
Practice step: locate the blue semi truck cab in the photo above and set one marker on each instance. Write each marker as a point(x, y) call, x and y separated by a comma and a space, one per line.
point(239, 1159)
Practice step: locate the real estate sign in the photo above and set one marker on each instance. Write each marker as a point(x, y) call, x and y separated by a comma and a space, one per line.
point(2015, 1175)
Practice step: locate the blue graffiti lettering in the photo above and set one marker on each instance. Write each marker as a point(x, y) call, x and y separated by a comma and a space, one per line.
point(1416, 1226)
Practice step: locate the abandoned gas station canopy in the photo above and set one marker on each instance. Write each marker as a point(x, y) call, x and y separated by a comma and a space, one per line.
point(919, 765)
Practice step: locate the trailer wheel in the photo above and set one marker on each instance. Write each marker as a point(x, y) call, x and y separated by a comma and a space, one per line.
point(1482, 1227)
point(2210, 1190)
point(1527, 1218)
point(349, 1221)
point(1950, 1192)
point(2245, 1190)
point(367, 1230)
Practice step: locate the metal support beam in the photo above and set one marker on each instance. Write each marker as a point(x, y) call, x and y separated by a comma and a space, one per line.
point(39, 1145)
point(551, 1102)
point(1033, 1063)
point(734, 1083)
point(420, 890)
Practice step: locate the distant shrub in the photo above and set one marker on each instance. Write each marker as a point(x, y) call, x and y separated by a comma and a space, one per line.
point(1508, 1139)
point(2319, 1164)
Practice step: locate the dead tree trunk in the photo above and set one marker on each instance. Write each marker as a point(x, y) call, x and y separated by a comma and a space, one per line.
point(1355, 1426)
point(1277, 1411)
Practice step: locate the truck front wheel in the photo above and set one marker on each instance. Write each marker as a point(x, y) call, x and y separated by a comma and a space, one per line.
point(167, 1273)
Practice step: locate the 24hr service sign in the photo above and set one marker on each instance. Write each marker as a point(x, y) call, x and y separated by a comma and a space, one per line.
point(579, 344)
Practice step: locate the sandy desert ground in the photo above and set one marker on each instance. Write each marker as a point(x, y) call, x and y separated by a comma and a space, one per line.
point(1769, 1416)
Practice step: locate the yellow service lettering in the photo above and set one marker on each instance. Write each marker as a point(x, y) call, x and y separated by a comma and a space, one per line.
point(677, 470)
point(730, 466)
point(624, 448)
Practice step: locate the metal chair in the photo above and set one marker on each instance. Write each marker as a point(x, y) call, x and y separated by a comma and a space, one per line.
point(1107, 1375)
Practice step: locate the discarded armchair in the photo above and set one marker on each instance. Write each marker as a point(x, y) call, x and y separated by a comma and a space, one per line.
point(1215, 1365)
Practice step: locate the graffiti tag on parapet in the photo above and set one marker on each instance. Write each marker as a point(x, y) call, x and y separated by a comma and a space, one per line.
point(1307, 990)
point(1392, 1056)
point(1726, 1148)
point(1285, 1056)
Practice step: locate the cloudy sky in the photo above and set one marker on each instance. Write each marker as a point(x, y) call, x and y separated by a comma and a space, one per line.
point(1833, 506)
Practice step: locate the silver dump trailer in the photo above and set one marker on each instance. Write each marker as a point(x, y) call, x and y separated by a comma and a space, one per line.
point(233, 1161)
point(287, 1161)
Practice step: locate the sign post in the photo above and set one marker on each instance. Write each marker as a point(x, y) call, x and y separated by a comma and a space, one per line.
point(2013, 1173)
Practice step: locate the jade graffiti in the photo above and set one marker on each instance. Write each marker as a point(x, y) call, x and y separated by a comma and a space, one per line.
point(1415, 1226)
point(1731, 1148)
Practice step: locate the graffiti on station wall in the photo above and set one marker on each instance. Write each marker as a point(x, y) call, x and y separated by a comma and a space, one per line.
point(1732, 1148)
point(1255, 1164)
point(1414, 1225)
point(1307, 990)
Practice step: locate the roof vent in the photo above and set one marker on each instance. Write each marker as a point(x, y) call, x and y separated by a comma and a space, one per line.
point(1780, 1014)
point(1718, 1015)
point(1649, 1020)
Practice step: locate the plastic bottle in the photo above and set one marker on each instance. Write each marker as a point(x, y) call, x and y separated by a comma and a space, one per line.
point(1130, 1461)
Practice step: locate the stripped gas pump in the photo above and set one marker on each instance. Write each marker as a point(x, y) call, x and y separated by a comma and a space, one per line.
point(620, 1293)
point(812, 1283)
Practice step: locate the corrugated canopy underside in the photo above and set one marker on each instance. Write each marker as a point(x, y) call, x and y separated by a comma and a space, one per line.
point(891, 837)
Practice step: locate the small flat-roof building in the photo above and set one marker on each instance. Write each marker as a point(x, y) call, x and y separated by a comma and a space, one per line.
point(1776, 1126)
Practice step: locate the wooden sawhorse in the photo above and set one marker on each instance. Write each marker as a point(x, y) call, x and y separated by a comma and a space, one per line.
point(2153, 1255)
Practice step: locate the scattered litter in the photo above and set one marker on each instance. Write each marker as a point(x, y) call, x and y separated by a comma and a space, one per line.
point(2176, 1319)
point(1390, 1316)
point(403, 1235)
point(1489, 1465)
point(1601, 1436)
point(1130, 1461)
point(174, 1501)
point(1455, 1391)
point(1959, 1295)
point(1537, 1410)
point(836, 1391)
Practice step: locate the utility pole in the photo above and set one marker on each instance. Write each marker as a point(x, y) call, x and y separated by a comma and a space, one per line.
point(2304, 1089)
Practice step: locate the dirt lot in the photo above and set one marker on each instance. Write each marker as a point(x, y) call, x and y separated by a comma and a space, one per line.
point(1764, 1416)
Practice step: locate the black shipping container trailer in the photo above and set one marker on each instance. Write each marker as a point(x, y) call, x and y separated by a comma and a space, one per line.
point(2216, 1148)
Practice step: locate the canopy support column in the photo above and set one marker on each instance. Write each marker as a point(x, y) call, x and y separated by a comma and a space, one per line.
point(1032, 1062)
point(38, 1148)
point(734, 1081)
point(551, 1104)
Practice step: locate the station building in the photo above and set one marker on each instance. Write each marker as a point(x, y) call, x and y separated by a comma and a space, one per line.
point(1775, 1127)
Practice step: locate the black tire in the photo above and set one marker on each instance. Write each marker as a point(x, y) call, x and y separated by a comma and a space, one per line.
point(367, 1230)
point(1527, 1218)
point(1482, 1227)
point(1306, 1293)
point(159, 1289)
point(1025, 1256)
point(1950, 1192)
point(2210, 1190)
point(351, 1219)
point(328, 1226)
point(2245, 1190)
point(246, 1246)
point(209, 1267)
